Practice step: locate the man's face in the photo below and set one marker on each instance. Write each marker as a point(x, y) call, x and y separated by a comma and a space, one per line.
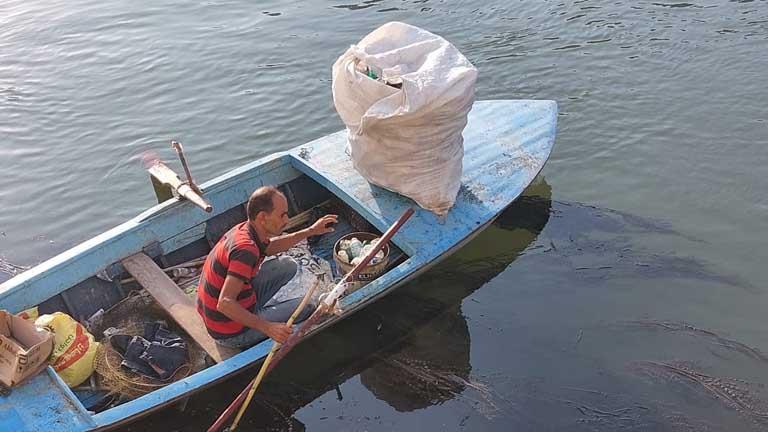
point(275, 222)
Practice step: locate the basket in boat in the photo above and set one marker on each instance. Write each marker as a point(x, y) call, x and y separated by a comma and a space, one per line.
point(129, 316)
point(371, 271)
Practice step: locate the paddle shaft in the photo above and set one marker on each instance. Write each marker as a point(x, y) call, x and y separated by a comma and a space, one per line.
point(250, 389)
point(323, 308)
point(264, 367)
point(311, 321)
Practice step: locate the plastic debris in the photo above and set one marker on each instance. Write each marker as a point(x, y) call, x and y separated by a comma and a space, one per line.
point(344, 257)
point(353, 250)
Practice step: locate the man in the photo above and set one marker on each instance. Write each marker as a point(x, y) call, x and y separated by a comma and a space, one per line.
point(235, 287)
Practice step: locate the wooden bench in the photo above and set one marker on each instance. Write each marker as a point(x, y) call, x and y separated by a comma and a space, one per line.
point(175, 302)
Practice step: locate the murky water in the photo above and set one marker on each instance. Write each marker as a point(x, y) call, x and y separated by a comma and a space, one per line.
point(628, 291)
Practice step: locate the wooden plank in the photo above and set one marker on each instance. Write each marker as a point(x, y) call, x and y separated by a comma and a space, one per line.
point(175, 302)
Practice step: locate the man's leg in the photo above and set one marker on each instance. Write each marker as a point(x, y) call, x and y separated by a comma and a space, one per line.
point(271, 277)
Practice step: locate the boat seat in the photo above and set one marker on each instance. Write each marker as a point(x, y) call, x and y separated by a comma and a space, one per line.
point(175, 302)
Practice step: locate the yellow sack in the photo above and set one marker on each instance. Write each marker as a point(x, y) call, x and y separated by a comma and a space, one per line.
point(73, 347)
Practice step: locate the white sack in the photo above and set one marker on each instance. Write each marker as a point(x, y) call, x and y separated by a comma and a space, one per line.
point(406, 140)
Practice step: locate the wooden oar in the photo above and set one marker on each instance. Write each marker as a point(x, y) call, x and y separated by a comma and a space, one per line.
point(327, 305)
point(275, 346)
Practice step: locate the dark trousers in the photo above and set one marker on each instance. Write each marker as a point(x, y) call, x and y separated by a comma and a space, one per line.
point(272, 275)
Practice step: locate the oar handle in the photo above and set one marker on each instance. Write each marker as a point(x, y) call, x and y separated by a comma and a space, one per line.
point(180, 151)
point(250, 389)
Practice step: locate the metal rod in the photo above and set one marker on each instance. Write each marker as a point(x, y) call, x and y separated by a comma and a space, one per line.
point(180, 151)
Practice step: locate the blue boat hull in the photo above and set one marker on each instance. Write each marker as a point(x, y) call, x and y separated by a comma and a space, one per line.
point(506, 145)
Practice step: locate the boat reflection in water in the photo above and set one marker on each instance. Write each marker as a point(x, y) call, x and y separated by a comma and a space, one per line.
point(427, 358)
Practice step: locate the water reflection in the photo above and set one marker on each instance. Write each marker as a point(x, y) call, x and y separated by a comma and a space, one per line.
point(430, 364)
point(430, 367)
point(357, 6)
point(412, 348)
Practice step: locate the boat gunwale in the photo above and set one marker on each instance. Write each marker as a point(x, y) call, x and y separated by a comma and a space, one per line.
point(350, 305)
point(129, 237)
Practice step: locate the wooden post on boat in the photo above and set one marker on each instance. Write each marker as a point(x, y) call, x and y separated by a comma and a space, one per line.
point(163, 192)
point(165, 180)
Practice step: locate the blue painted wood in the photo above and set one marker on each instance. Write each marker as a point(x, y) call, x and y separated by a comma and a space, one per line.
point(219, 225)
point(307, 193)
point(43, 403)
point(506, 145)
point(157, 224)
point(91, 398)
point(99, 294)
point(182, 239)
point(192, 251)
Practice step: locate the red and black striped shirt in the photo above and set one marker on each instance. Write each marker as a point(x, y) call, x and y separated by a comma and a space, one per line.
point(239, 253)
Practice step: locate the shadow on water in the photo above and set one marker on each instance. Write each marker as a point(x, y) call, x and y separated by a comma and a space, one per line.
point(599, 243)
point(411, 349)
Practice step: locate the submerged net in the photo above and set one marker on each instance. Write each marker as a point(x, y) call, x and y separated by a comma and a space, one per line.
point(129, 317)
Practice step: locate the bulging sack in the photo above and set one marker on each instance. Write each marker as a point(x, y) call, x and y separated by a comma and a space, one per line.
point(404, 95)
point(73, 347)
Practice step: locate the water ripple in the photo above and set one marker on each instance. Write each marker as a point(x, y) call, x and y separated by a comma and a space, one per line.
point(661, 104)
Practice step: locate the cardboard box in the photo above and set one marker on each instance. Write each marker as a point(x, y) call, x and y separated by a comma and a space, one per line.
point(24, 350)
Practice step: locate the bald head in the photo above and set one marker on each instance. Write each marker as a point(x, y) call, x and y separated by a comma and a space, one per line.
point(262, 200)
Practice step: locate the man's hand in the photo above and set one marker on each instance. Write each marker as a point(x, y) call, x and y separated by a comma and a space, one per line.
point(279, 332)
point(229, 306)
point(322, 225)
point(287, 241)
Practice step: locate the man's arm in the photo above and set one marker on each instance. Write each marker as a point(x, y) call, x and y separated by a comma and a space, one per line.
point(229, 306)
point(287, 241)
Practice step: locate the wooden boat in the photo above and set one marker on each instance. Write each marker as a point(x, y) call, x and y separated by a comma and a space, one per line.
point(506, 145)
